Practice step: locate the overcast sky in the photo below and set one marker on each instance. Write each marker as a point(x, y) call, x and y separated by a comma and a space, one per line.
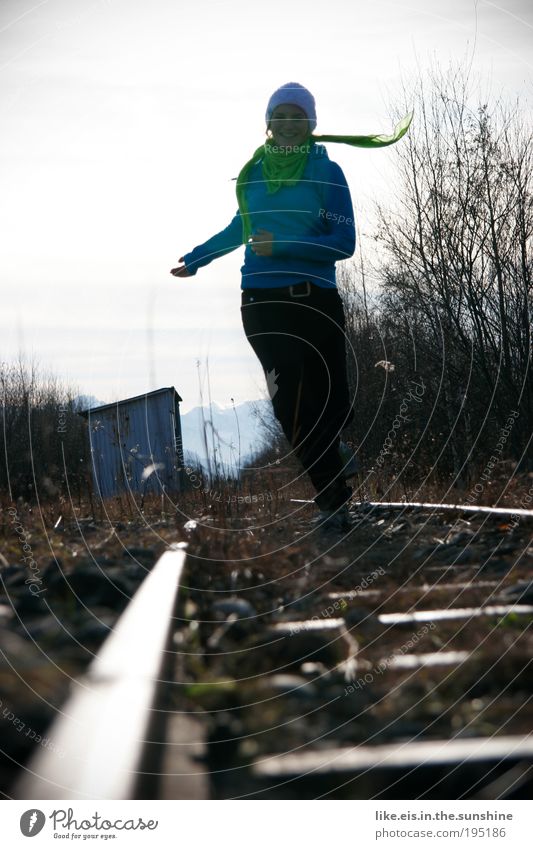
point(123, 122)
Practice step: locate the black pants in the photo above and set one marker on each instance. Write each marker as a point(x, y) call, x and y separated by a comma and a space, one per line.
point(299, 336)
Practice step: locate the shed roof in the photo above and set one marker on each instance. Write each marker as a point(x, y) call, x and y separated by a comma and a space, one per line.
point(115, 404)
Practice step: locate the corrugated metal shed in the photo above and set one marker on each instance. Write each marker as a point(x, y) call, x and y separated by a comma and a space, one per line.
point(136, 444)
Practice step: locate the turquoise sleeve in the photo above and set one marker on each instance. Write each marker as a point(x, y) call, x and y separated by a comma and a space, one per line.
point(222, 243)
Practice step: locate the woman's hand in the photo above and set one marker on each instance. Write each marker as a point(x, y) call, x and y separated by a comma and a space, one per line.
point(181, 270)
point(261, 242)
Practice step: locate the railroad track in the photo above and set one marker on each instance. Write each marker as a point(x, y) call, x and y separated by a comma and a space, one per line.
point(342, 681)
point(111, 732)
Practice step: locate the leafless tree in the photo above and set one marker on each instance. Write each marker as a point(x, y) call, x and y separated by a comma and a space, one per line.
point(455, 300)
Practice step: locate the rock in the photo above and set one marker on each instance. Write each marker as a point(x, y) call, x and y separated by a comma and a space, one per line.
point(465, 556)
point(284, 652)
point(12, 647)
point(521, 592)
point(494, 565)
point(14, 576)
point(508, 548)
point(46, 629)
point(314, 670)
point(460, 538)
point(238, 621)
point(88, 585)
point(141, 553)
point(6, 612)
point(427, 551)
point(239, 606)
point(291, 685)
point(223, 740)
point(26, 603)
point(93, 631)
point(19, 654)
point(336, 562)
point(126, 582)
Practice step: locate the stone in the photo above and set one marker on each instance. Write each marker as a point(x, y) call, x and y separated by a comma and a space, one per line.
point(522, 592)
point(6, 612)
point(291, 685)
point(238, 606)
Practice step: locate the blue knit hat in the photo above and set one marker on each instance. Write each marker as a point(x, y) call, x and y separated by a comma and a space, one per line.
point(297, 95)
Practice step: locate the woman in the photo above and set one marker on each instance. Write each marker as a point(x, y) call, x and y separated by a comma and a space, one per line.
point(296, 218)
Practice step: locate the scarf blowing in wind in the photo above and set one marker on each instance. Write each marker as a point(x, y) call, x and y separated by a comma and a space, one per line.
point(281, 168)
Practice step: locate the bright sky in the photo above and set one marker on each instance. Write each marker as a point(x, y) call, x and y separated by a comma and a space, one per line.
point(123, 122)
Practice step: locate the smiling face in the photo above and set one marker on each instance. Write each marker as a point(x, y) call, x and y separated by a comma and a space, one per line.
point(289, 125)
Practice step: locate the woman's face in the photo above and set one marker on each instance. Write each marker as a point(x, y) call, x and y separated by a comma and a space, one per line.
point(289, 125)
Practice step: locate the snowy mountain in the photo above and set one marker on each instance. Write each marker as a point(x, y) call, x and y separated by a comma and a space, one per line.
point(86, 402)
point(228, 431)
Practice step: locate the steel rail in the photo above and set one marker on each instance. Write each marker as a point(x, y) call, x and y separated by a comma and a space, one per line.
point(423, 505)
point(109, 738)
point(466, 508)
point(426, 753)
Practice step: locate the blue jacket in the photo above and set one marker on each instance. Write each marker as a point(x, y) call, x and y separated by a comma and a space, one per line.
point(312, 222)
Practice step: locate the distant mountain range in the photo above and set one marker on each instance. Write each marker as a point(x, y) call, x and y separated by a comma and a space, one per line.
point(86, 402)
point(228, 432)
point(227, 435)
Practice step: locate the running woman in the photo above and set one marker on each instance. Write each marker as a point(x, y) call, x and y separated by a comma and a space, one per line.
point(296, 219)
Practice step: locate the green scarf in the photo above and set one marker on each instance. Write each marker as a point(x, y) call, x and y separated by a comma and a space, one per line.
point(286, 169)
